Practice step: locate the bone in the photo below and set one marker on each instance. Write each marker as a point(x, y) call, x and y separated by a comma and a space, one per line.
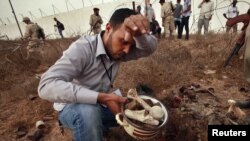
point(156, 111)
point(140, 115)
point(131, 105)
point(40, 124)
point(235, 109)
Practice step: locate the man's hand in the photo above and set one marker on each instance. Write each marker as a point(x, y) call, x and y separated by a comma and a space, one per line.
point(111, 100)
point(225, 15)
point(135, 25)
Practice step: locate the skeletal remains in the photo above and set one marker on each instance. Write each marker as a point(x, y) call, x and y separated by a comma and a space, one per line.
point(235, 109)
point(149, 115)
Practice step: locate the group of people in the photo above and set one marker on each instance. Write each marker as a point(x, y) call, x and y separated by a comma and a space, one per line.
point(177, 17)
point(80, 83)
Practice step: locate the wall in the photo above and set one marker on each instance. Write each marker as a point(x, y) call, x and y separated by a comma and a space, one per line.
point(77, 22)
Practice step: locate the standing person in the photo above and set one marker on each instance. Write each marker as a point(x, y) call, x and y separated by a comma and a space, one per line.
point(59, 26)
point(177, 15)
point(80, 82)
point(167, 18)
point(247, 51)
point(247, 54)
point(150, 14)
point(95, 21)
point(138, 9)
point(185, 19)
point(231, 13)
point(33, 33)
point(206, 13)
point(244, 18)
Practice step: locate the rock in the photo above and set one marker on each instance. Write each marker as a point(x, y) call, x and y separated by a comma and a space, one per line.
point(243, 103)
point(210, 72)
point(40, 124)
point(196, 85)
point(47, 118)
point(32, 97)
point(176, 102)
point(182, 89)
point(211, 90)
point(241, 57)
point(183, 108)
point(224, 77)
point(21, 131)
point(213, 120)
point(197, 115)
point(209, 112)
point(38, 76)
point(244, 90)
point(36, 136)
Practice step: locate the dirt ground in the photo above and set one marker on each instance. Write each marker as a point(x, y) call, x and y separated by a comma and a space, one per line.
point(187, 76)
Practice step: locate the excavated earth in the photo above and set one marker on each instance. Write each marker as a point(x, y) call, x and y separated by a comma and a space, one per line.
point(188, 77)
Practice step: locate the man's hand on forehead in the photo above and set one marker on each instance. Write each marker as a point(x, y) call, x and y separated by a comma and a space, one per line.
point(135, 25)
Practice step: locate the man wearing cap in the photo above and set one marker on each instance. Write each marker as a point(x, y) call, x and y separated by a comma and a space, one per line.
point(33, 32)
point(80, 82)
point(95, 21)
point(167, 18)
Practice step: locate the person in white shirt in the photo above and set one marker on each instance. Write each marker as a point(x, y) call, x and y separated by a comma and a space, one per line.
point(80, 82)
point(231, 13)
point(150, 14)
point(206, 13)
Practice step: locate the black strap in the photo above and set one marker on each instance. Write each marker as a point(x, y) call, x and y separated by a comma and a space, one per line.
point(109, 74)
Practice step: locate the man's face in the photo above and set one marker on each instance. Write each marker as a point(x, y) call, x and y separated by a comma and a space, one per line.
point(234, 3)
point(97, 13)
point(116, 45)
point(26, 22)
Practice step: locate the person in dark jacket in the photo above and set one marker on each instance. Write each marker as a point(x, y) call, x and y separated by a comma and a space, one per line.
point(59, 26)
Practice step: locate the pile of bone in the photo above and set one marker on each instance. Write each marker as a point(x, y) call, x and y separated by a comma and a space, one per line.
point(236, 113)
point(143, 112)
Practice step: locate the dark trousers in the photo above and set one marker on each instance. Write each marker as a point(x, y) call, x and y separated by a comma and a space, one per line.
point(185, 22)
point(60, 32)
point(177, 25)
point(157, 32)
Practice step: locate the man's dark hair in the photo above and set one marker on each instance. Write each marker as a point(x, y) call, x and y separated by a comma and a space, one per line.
point(119, 16)
point(162, 1)
point(178, 1)
point(96, 9)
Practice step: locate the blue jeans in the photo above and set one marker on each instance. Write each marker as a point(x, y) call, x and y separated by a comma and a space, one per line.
point(88, 121)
